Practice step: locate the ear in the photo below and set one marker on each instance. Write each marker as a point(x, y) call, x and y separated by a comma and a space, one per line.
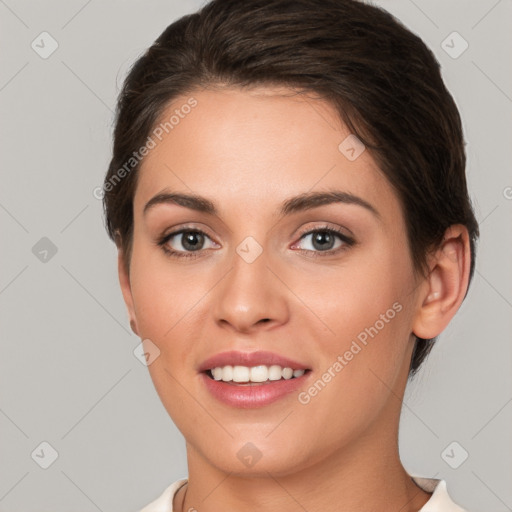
point(124, 281)
point(445, 287)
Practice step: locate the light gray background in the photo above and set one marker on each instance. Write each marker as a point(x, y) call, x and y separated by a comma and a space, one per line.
point(68, 373)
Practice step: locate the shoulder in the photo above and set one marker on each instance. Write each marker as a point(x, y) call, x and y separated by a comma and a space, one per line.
point(164, 502)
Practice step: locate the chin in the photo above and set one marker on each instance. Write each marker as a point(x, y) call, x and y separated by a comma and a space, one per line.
point(249, 461)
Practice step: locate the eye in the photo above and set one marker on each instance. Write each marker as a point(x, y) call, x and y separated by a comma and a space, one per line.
point(325, 240)
point(185, 242)
point(190, 242)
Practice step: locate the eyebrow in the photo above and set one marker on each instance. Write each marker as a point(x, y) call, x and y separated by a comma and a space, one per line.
point(291, 205)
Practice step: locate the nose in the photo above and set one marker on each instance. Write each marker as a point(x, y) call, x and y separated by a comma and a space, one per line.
point(251, 297)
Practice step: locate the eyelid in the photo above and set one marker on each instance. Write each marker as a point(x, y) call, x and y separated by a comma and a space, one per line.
point(175, 230)
point(326, 226)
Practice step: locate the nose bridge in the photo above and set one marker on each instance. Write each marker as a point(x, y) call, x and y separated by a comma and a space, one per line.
point(250, 293)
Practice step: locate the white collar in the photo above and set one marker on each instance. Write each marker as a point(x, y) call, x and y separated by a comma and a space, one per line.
point(440, 501)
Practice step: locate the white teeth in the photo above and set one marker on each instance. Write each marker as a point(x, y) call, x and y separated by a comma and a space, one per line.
point(287, 373)
point(275, 372)
point(227, 373)
point(240, 374)
point(259, 373)
point(217, 373)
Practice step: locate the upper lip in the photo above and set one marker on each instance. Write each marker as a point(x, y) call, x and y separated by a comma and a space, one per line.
point(250, 359)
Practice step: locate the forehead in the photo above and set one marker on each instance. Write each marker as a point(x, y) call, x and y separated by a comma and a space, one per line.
point(257, 147)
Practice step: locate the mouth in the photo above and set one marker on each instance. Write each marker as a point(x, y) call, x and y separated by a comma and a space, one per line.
point(254, 375)
point(252, 379)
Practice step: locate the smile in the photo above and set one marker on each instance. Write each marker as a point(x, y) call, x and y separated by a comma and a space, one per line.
point(253, 375)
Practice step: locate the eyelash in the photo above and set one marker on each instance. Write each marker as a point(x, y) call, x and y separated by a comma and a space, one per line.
point(347, 241)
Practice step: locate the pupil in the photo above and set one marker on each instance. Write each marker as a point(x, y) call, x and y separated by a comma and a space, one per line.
point(190, 240)
point(321, 238)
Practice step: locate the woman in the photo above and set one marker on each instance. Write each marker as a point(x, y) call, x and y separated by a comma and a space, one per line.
point(287, 193)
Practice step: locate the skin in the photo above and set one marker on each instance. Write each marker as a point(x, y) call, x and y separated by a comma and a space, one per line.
point(248, 151)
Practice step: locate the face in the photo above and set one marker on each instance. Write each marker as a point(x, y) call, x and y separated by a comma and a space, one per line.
point(328, 285)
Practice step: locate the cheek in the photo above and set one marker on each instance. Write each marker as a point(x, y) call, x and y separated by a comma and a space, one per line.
point(362, 358)
point(366, 306)
point(365, 286)
point(164, 301)
point(163, 292)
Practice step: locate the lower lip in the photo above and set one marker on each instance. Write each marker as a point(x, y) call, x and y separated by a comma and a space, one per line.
point(257, 395)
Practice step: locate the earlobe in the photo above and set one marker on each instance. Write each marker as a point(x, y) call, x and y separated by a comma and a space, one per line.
point(446, 285)
point(124, 281)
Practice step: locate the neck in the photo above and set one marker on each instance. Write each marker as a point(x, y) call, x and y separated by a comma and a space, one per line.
point(358, 477)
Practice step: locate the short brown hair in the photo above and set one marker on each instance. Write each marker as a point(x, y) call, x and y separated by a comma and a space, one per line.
point(381, 78)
